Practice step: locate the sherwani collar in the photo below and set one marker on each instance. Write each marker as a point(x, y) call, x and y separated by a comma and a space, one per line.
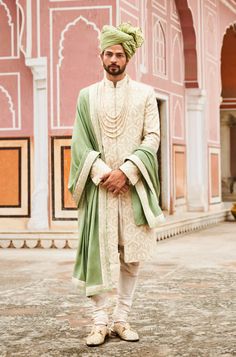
point(119, 84)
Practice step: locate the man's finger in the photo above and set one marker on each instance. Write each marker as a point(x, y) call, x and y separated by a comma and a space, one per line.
point(105, 177)
point(116, 192)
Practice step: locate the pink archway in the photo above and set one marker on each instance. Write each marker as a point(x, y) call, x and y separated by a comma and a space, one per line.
point(189, 39)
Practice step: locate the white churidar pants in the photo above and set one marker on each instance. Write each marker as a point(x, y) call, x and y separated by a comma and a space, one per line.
point(126, 287)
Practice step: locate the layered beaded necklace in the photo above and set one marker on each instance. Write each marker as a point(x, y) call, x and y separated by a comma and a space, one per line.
point(113, 125)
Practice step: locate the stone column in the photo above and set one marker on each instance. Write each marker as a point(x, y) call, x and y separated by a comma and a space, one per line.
point(225, 146)
point(39, 212)
point(197, 192)
point(226, 122)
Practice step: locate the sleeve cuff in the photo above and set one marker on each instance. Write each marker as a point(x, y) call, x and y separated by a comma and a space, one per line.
point(99, 169)
point(131, 171)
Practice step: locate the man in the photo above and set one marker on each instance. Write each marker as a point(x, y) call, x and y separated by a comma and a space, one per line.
point(113, 179)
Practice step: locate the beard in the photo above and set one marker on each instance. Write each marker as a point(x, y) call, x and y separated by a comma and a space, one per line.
point(114, 70)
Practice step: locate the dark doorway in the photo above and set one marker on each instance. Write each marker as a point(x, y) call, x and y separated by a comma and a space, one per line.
point(159, 103)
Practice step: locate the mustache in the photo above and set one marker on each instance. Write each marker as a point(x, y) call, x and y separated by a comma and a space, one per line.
point(113, 65)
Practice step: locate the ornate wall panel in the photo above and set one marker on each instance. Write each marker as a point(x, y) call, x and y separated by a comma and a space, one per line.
point(211, 33)
point(14, 177)
point(214, 174)
point(159, 44)
point(74, 35)
point(63, 206)
point(177, 55)
point(179, 156)
point(212, 70)
point(213, 103)
point(177, 115)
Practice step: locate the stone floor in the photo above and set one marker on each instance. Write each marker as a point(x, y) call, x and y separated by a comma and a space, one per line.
point(185, 303)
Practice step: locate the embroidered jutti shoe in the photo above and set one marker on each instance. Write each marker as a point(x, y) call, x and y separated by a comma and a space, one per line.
point(124, 331)
point(97, 336)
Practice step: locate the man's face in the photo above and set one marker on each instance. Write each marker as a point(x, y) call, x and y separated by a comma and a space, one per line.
point(114, 60)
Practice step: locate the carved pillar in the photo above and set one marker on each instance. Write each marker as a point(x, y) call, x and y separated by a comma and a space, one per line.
point(196, 150)
point(227, 122)
point(225, 147)
point(39, 215)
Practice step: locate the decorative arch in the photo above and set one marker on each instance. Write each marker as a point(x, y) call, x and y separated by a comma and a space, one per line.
point(159, 49)
point(189, 38)
point(177, 64)
point(7, 118)
point(228, 67)
point(178, 123)
point(211, 35)
point(78, 40)
point(68, 28)
point(228, 112)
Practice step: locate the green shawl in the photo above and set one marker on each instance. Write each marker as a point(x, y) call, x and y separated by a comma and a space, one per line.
point(92, 267)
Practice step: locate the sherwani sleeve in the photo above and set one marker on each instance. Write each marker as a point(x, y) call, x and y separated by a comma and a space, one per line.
point(151, 136)
point(151, 128)
point(99, 168)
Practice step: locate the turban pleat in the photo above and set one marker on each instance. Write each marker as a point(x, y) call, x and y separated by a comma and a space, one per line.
point(125, 34)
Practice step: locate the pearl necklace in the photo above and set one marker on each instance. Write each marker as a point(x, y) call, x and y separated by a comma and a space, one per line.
point(112, 125)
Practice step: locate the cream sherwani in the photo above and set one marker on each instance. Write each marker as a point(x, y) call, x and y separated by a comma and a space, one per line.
point(141, 127)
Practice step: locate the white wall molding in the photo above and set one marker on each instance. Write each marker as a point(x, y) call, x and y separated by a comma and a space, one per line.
point(10, 105)
point(21, 10)
point(29, 29)
point(39, 216)
point(26, 26)
point(13, 107)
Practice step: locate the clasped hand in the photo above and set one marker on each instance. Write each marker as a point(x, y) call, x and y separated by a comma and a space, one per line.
point(115, 182)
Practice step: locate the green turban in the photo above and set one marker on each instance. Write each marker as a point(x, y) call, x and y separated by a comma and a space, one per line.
point(125, 34)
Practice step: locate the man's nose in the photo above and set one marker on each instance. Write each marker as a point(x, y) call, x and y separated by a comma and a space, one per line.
point(113, 58)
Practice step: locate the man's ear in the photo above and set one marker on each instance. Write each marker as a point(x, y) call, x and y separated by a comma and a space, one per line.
point(101, 57)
